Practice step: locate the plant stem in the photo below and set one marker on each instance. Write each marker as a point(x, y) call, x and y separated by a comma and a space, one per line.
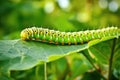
point(36, 72)
point(88, 58)
point(111, 60)
point(45, 70)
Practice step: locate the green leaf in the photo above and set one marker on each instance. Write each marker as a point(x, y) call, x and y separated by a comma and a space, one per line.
point(116, 60)
point(91, 76)
point(59, 68)
point(21, 55)
point(79, 65)
point(103, 53)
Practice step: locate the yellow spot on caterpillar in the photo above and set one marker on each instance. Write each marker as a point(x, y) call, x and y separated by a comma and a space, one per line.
point(24, 35)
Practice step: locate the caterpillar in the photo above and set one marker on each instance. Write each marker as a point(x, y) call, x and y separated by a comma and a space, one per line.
point(57, 37)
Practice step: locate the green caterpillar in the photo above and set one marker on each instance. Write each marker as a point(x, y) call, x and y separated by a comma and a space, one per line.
point(57, 37)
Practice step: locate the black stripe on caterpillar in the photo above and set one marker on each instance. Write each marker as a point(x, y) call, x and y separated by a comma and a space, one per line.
point(57, 37)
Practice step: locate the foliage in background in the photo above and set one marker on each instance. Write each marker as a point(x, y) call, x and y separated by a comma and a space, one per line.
point(16, 15)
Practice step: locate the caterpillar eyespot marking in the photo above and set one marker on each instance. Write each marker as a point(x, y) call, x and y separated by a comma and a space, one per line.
point(57, 37)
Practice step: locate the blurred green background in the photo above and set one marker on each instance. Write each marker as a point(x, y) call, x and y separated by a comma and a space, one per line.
point(63, 15)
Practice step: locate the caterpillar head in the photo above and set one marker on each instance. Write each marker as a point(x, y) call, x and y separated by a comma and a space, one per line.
point(24, 35)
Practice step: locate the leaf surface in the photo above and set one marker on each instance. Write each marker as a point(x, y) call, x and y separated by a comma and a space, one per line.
point(21, 55)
